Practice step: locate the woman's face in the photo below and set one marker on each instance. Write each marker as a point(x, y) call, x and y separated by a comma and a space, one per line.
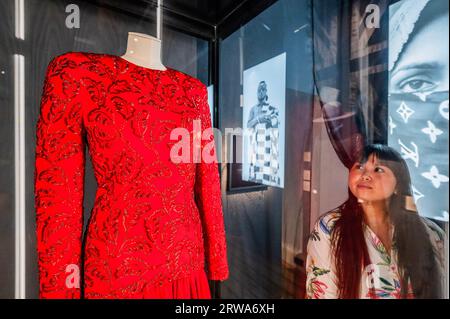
point(424, 66)
point(371, 181)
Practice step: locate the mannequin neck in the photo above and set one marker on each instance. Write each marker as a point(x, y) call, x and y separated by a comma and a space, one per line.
point(145, 51)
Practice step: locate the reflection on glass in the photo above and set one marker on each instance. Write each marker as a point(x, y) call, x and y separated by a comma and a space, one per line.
point(19, 147)
point(20, 19)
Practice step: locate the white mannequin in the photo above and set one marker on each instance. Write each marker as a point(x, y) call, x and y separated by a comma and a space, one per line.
point(144, 50)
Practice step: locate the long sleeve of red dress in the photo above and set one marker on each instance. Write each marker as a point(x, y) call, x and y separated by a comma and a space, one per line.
point(156, 229)
point(59, 178)
point(208, 196)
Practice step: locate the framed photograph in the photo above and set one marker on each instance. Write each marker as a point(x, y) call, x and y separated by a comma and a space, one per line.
point(264, 122)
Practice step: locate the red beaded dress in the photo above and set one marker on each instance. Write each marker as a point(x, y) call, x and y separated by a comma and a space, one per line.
point(156, 229)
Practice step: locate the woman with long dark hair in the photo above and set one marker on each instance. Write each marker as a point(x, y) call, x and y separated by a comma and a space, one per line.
point(376, 245)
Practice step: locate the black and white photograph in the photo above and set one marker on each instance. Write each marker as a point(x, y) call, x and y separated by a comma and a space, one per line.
point(264, 108)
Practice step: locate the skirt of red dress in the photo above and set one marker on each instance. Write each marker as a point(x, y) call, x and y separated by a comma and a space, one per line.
point(195, 286)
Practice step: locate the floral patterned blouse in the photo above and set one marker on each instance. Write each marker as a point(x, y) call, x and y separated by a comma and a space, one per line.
point(382, 275)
